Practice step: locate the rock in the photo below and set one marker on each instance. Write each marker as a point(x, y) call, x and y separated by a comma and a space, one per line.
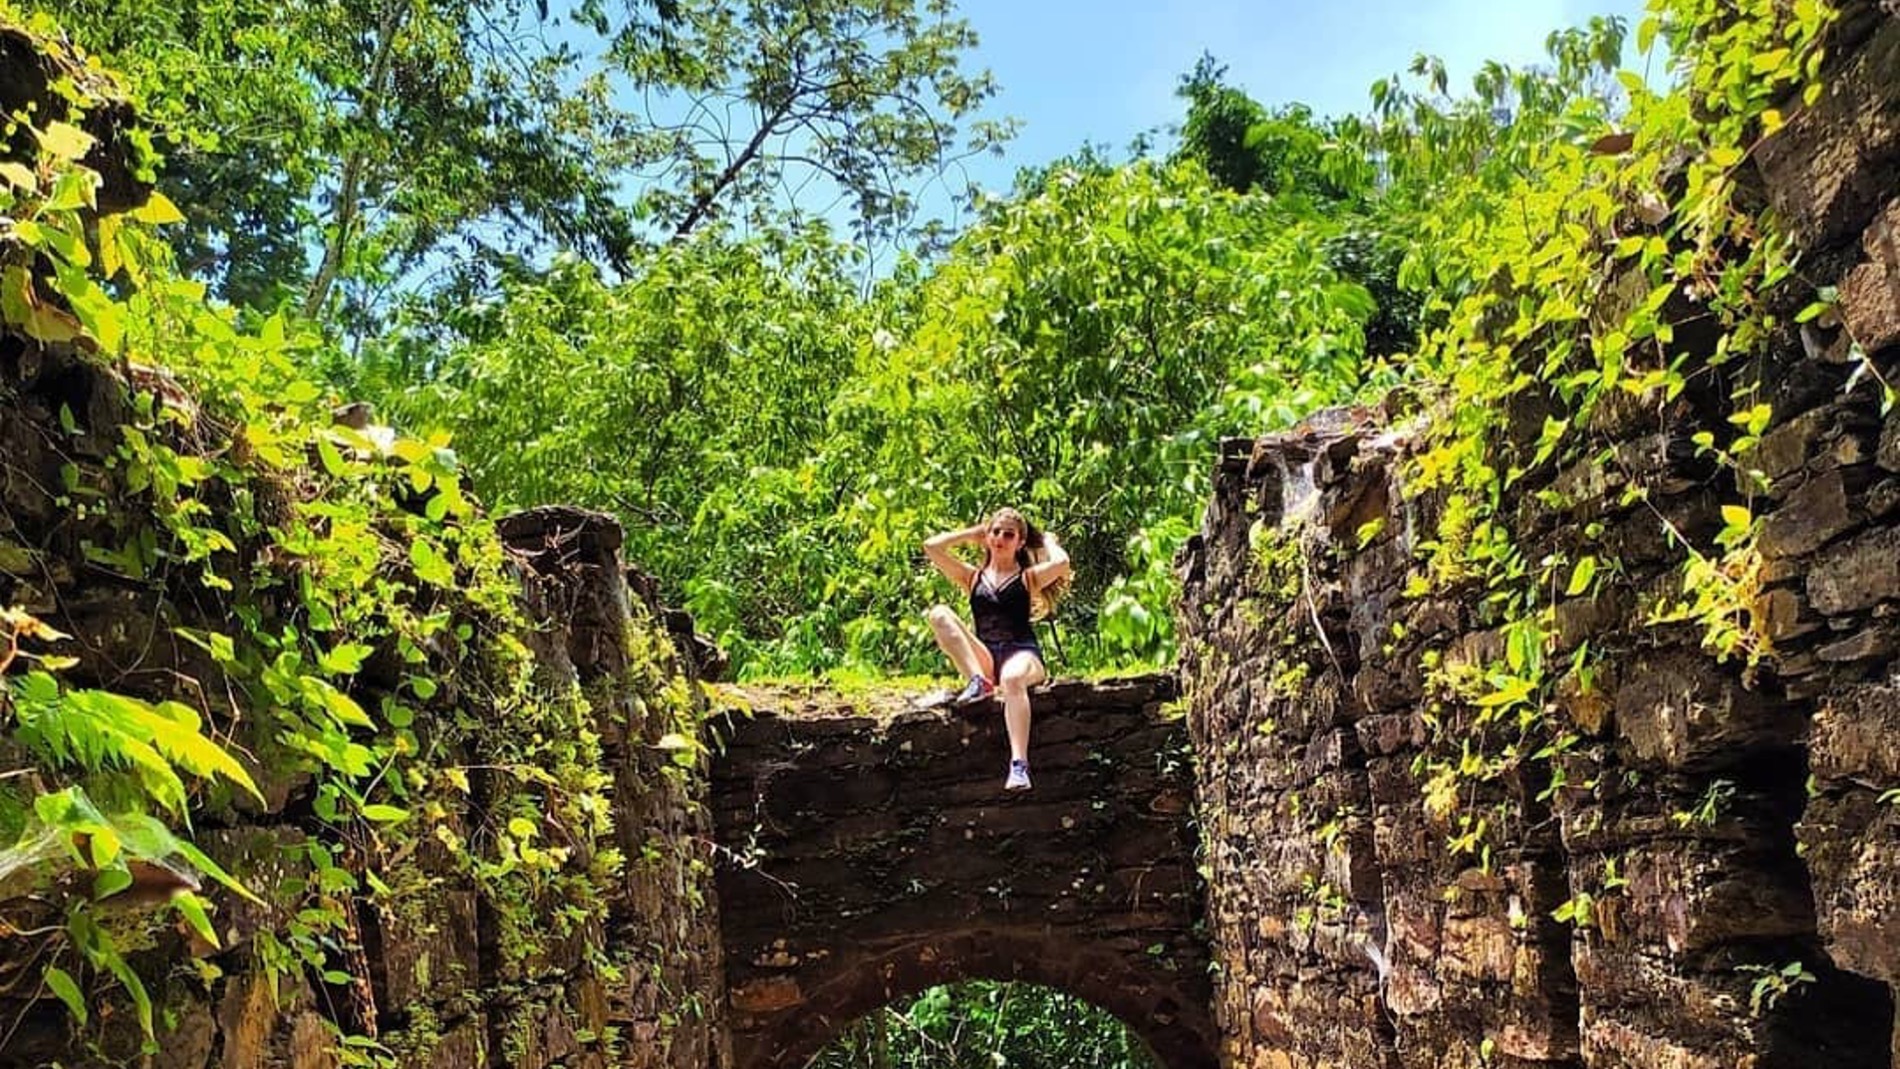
point(1835, 163)
point(1856, 574)
point(1808, 518)
point(1869, 299)
point(1675, 710)
point(1854, 733)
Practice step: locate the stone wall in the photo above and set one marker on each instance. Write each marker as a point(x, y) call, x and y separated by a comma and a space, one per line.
point(1715, 825)
point(871, 855)
point(418, 966)
point(667, 1009)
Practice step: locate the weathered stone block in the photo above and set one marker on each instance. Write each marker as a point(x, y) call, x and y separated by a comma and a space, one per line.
point(1856, 574)
point(429, 949)
point(1834, 163)
point(1855, 735)
point(1870, 294)
point(1852, 849)
point(1674, 710)
point(1809, 517)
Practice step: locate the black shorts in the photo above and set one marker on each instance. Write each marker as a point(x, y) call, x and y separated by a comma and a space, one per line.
point(1001, 652)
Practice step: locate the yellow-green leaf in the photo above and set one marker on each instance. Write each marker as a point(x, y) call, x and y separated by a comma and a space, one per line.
point(1580, 577)
point(192, 908)
point(158, 210)
point(19, 177)
point(65, 141)
point(63, 986)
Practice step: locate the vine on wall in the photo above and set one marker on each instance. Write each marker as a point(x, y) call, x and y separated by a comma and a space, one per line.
point(1632, 278)
point(347, 617)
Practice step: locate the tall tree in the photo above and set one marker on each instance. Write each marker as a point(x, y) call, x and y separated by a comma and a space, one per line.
point(1245, 146)
point(336, 154)
point(850, 99)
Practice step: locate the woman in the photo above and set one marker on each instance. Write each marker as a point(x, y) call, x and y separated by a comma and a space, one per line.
point(1021, 567)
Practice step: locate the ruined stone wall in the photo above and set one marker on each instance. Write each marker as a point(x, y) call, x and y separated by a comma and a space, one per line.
point(1718, 825)
point(874, 854)
point(420, 967)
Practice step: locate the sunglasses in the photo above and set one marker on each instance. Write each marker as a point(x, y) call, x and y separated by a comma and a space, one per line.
point(1004, 532)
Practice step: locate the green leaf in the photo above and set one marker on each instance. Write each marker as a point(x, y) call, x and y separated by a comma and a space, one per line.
point(73, 190)
point(345, 659)
point(1646, 33)
point(1580, 577)
point(333, 462)
point(341, 707)
point(20, 178)
point(174, 729)
point(110, 882)
point(431, 567)
point(192, 908)
point(385, 814)
point(63, 986)
point(158, 210)
point(64, 141)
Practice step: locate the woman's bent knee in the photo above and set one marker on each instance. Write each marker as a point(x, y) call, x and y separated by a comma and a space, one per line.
point(943, 620)
point(1019, 675)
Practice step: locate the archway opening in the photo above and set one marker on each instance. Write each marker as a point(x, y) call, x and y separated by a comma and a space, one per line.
point(987, 1024)
point(786, 1022)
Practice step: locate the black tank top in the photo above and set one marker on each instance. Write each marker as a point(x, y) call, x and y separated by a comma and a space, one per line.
point(1001, 613)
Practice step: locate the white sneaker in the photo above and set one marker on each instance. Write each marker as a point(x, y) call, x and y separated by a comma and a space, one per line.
point(1018, 776)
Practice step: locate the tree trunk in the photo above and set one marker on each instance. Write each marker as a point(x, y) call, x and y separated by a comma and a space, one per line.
point(355, 159)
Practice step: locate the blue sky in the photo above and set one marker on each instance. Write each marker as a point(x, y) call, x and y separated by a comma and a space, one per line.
point(1075, 72)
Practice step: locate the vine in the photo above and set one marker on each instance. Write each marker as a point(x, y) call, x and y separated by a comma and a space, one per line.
point(351, 618)
point(1579, 307)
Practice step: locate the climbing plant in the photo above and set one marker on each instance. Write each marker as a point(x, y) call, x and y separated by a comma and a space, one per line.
point(1647, 209)
point(355, 629)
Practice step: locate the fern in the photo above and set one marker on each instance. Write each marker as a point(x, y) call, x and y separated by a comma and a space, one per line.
point(98, 730)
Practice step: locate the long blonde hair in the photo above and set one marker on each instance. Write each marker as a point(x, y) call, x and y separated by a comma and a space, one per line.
point(1031, 550)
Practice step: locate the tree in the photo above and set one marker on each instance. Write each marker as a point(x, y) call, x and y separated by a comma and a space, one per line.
point(650, 398)
point(1246, 147)
point(857, 96)
point(380, 133)
point(343, 154)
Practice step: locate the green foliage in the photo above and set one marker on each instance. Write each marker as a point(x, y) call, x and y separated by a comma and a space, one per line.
point(1774, 983)
point(983, 1024)
point(862, 94)
point(780, 439)
point(357, 623)
point(1527, 254)
point(779, 446)
point(425, 147)
point(1111, 323)
point(1245, 147)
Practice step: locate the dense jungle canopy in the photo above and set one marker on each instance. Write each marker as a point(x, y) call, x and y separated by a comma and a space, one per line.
point(665, 259)
point(597, 246)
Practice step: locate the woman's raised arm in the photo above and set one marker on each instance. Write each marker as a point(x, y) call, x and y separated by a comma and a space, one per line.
point(1052, 570)
point(937, 548)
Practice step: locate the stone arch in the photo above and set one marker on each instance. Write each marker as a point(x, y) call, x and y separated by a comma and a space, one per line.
point(1147, 1001)
point(870, 857)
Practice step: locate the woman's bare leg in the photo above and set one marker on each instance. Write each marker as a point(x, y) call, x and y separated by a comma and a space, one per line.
point(1020, 672)
point(954, 639)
